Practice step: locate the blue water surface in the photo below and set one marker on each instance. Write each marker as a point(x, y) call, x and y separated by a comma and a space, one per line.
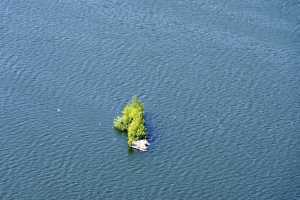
point(219, 79)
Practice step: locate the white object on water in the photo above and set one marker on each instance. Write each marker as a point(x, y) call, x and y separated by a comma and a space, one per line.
point(141, 145)
point(58, 110)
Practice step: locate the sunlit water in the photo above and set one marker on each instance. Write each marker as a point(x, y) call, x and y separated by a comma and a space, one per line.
point(220, 83)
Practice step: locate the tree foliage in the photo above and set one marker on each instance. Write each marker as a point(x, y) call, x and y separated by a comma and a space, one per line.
point(132, 120)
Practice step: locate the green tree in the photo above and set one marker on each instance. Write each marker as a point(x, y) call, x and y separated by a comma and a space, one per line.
point(132, 120)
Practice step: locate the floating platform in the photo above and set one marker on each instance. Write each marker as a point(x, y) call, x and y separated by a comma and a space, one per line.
point(141, 145)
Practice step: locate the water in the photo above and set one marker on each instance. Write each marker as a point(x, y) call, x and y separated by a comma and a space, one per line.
point(220, 83)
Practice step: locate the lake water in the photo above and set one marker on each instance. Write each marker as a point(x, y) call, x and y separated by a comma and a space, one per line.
point(219, 80)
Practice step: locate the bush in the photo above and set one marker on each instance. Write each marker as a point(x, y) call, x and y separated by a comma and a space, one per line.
point(132, 120)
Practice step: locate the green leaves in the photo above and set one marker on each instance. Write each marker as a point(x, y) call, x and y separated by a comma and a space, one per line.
point(132, 120)
point(119, 124)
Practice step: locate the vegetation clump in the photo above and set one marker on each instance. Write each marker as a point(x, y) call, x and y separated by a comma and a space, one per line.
point(132, 121)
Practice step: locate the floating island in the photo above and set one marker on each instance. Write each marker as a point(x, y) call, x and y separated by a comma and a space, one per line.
point(132, 122)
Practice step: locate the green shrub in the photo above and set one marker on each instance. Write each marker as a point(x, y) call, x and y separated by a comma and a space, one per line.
point(132, 120)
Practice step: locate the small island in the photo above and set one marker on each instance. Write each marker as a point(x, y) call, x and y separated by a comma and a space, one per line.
point(132, 121)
